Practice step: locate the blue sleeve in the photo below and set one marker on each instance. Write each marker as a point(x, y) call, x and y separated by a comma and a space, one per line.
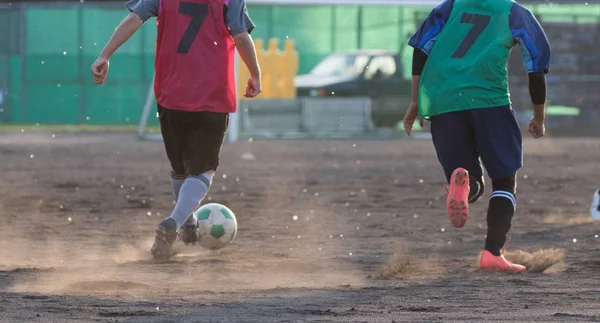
point(425, 37)
point(530, 36)
point(145, 9)
point(237, 17)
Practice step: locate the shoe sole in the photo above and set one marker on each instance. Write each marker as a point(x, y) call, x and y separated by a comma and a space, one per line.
point(513, 269)
point(458, 209)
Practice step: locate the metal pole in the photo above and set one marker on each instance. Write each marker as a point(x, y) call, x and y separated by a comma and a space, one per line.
point(333, 28)
point(23, 54)
point(8, 102)
point(270, 24)
point(146, 111)
point(234, 124)
point(400, 30)
point(142, 52)
point(82, 69)
point(359, 27)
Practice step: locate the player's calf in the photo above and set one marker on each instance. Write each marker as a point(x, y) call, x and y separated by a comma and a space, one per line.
point(501, 210)
point(177, 179)
point(193, 191)
point(188, 231)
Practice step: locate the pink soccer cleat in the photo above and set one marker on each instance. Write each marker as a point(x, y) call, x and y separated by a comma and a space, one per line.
point(489, 261)
point(457, 202)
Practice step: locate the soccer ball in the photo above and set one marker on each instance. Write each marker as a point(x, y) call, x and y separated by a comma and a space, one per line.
point(217, 226)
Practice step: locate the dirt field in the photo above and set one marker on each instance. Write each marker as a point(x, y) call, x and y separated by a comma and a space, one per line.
point(371, 242)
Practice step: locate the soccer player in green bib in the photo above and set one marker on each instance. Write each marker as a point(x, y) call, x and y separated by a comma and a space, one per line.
point(460, 84)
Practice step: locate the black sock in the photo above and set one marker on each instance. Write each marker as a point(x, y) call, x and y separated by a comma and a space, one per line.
point(499, 216)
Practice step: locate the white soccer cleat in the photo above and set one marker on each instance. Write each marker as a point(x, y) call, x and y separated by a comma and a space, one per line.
point(595, 207)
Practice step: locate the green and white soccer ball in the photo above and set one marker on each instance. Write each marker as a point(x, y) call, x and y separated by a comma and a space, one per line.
point(217, 226)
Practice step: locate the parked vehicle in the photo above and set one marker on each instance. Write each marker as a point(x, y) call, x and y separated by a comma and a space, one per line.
point(377, 74)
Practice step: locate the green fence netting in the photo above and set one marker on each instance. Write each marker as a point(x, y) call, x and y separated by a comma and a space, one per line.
point(46, 51)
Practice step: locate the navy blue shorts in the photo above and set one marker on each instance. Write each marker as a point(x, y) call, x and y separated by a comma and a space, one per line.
point(467, 138)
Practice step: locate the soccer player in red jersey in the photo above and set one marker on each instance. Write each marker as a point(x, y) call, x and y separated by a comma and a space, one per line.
point(195, 92)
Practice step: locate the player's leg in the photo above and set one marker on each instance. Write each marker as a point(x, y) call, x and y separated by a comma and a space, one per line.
point(595, 207)
point(202, 148)
point(177, 180)
point(173, 136)
point(499, 143)
point(454, 142)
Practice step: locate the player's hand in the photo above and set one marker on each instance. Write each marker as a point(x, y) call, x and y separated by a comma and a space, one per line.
point(409, 118)
point(537, 129)
point(100, 70)
point(254, 87)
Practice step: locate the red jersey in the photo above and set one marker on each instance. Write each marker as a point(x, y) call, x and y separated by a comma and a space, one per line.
point(194, 57)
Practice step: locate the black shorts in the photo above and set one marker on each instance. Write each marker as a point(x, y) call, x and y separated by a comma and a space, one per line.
point(192, 140)
point(465, 138)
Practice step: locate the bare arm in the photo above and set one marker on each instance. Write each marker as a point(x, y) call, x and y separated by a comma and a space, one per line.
point(418, 63)
point(415, 88)
point(245, 46)
point(122, 33)
point(539, 111)
point(240, 26)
